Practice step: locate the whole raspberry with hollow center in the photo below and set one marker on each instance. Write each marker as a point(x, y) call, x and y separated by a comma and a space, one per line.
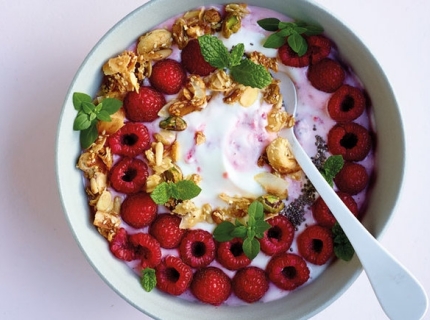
point(147, 249)
point(211, 285)
point(130, 140)
point(278, 237)
point(197, 248)
point(352, 178)
point(250, 284)
point(165, 229)
point(350, 140)
point(128, 175)
point(121, 247)
point(167, 76)
point(287, 271)
point(346, 104)
point(173, 276)
point(230, 254)
point(315, 244)
point(143, 106)
point(326, 75)
point(138, 210)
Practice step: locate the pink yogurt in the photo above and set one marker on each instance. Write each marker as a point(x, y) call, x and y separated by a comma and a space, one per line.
point(236, 137)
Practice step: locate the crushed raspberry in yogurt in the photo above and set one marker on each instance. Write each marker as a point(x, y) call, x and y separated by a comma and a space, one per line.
point(162, 191)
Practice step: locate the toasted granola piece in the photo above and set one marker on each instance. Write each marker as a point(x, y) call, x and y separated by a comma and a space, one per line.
point(232, 22)
point(280, 156)
point(195, 23)
point(260, 58)
point(191, 98)
point(154, 41)
point(219, 80)
point(190, 214)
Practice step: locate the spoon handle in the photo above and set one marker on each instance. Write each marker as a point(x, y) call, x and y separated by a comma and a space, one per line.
point(399, 293)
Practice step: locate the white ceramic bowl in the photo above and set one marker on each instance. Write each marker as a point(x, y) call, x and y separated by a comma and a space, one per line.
point(304, 302)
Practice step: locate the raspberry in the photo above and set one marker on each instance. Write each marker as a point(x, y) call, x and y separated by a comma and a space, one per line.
point(250, 284)
point(167, 76)
point(279, 237)
point(128, 175)
point(290, 58)
point(173, 276)
point(138, 210)
point(197, 248)
point(147, 249)
point(193, 60)
point(211, 285)
point(352, 178)
point(121, 247)
point(346, 104)
point(323, 215)
point(230, 254)
point(350, 140)
point(165, 229)
point(315, 244)
point(143, 106)
point(318, 48)
point(326, 75)
point(130, 140)
point(287, 271)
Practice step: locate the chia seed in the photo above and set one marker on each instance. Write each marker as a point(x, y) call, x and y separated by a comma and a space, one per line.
point(320, 157)
point(295, 210)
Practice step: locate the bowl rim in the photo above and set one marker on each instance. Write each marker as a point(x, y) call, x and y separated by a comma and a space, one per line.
point(156, 309)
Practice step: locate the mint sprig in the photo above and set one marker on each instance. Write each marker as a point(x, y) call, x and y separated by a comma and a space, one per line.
point(89, 114)
point(181, 190)
point(242, 69)
point(342, 247)
point(331, 168)
point(148, 279)
point(288, 32)
point(253, 229)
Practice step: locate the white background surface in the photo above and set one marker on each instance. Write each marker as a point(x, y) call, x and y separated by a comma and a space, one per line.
point(43, 274)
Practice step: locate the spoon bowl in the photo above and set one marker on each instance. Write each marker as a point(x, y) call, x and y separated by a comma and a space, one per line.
point(400, 295)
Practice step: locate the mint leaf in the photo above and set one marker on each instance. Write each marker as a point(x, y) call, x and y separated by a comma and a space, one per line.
point(104, 116)
point(275, 41)
point(161, 193)
point(81, 122)
point(256, 211)
point(78, 98)
point(181, 190)
point(222, 232)
point(333, 165)
point(251, 74)
point(313, 30)
point(297, 43)
point(236, 55)
point(214, 51)
point(88, 136)
point(239, 232)
point(111, 105)
point(331, 168)
point(260, 227)
point(289, 32)
point(269, 24)
point(148, 279)
point(185, 190)
point(251, 247)
point(342, 247)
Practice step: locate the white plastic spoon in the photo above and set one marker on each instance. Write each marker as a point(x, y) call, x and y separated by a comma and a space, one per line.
point(398, 292)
